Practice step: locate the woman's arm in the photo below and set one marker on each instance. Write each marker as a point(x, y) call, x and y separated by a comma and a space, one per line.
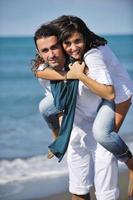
point(77, 72)
point(51, 74)
point(102, 90)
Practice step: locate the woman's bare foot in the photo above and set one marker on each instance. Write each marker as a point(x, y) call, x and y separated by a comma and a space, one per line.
point(130, 186)
point(50, 154)
point(129, 164)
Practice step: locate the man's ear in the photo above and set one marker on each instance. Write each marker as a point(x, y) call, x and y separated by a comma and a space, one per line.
point(38, 53)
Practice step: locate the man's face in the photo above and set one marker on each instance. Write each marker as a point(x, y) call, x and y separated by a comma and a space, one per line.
point(51, 51)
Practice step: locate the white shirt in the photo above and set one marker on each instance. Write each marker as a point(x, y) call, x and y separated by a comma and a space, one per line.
point(104, 68)
point(86, 109)
point(43, 82)
point(87, 101)
point(103, 57)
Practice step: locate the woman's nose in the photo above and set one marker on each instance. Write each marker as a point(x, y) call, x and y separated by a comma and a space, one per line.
point(73, 47)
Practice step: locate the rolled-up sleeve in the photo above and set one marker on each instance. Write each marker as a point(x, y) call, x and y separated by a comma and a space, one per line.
point(94, 60)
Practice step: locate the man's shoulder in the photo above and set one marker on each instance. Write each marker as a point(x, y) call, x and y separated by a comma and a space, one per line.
point(41, 67)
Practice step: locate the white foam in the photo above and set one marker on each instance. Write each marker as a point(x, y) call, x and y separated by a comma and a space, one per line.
point(36, 177)
point(20, 169)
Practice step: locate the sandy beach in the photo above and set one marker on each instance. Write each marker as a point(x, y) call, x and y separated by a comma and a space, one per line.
point(123, 184)
point(49, 186)
point(52, 188)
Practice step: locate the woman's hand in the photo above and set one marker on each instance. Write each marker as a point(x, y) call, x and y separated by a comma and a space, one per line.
point(76, 69)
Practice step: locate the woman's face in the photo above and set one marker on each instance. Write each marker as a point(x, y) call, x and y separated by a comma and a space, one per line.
point(75, 45)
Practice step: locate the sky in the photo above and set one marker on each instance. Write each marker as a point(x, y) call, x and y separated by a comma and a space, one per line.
point(23, 17)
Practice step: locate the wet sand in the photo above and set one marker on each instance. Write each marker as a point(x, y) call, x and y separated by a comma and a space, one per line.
point(123, 184)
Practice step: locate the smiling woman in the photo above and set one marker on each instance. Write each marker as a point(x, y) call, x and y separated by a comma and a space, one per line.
point(80, 43)
point(75, 46)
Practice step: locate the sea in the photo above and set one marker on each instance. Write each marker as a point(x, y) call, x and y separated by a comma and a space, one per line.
point(24, 135)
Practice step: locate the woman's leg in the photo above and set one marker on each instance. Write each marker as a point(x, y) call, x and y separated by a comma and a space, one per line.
point(120, 113)
point(121, 110)
point(50, 114)
point(102, 128)
point(103, 132)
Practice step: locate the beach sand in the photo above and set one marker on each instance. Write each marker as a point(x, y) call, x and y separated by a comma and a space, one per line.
point(123, 184)
point(41, 187)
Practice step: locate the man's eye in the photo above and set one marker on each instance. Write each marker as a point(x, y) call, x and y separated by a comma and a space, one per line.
point(44, 50)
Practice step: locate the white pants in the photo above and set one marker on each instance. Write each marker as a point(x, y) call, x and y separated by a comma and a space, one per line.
point(89, 163)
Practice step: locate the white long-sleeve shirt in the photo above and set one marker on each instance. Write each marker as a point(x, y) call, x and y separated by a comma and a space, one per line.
point(103, 57)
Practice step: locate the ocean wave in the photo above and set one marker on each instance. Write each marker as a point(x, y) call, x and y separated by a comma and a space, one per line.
point(37, 166)
point(23, 169)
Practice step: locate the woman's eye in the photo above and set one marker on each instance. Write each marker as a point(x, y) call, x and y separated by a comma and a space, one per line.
point(77, 41)
point(67, 43)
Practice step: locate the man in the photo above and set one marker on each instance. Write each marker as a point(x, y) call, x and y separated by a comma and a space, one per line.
point(51, 52)
point(88, 162)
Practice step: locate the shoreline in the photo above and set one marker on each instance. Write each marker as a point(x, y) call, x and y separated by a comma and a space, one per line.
point(52, 186)
point(123, 185)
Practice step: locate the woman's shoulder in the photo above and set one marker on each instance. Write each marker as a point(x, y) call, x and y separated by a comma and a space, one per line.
point(102, 49)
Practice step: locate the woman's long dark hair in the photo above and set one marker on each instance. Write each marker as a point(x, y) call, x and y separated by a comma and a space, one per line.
point(68, 24)
point(65, 26)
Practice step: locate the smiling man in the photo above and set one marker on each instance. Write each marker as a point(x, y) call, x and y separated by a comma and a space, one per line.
point(51, 51)
point(51, 56)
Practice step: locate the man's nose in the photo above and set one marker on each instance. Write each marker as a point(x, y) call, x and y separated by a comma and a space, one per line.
point(51, 53)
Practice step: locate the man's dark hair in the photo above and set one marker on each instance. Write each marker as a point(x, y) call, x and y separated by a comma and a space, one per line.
point(46, 30)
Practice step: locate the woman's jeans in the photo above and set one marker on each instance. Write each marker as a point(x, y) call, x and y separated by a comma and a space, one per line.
point(102, 127)
point(49, 112)
point(103, 131)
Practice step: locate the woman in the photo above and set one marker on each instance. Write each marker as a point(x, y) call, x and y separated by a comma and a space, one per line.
point(74, 34)
point(84, 154)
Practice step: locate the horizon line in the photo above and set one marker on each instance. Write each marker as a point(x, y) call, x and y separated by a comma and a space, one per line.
point(28, 35)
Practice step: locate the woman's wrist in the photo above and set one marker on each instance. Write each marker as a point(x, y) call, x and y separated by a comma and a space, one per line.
point(82, 77)
point(65, 78)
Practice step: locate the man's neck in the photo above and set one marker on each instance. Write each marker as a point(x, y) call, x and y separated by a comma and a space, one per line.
point(59, 68)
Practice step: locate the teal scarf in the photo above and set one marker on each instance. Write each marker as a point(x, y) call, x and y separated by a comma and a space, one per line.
point(65, 95)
